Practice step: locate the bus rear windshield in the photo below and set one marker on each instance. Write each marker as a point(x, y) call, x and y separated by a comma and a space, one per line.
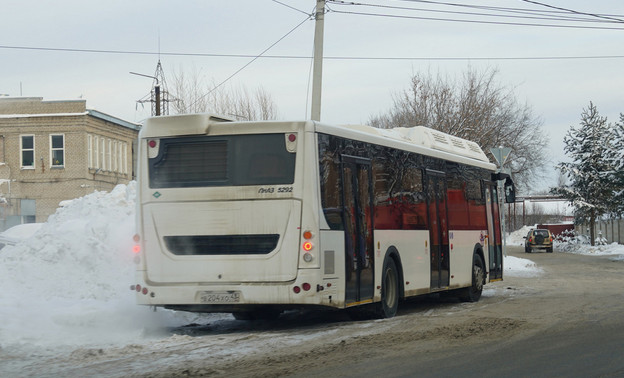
point(234, 160)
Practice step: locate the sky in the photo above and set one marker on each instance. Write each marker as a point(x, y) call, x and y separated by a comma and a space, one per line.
point(75, 49)
point(66, 294)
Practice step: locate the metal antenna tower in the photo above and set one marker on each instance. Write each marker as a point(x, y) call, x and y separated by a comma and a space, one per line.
point(158, 96)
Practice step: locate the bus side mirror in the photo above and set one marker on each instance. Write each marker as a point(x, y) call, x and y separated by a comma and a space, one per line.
point(510, 190)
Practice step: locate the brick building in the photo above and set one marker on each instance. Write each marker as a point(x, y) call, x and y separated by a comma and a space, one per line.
point(51, 151)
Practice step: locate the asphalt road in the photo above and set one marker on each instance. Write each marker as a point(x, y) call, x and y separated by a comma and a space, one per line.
point(571, 324)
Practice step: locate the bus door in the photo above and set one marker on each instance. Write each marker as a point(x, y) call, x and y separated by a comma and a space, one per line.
point(358, 224)
point(438, 229)
point(495, 249)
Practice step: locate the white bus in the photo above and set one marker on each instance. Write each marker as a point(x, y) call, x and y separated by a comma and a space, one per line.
point(255, 218)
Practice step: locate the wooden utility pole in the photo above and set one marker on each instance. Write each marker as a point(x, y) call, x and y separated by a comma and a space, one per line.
point(317, 75)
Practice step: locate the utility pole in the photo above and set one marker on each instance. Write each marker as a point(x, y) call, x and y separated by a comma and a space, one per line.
point(317, 75)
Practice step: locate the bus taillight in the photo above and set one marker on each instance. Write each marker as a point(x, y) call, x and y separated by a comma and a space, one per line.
point(307, 246)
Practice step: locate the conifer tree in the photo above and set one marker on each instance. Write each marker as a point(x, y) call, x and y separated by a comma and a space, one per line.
point(615, 156)
point(590, 173)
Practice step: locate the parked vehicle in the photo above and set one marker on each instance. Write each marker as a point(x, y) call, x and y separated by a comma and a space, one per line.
point(538, 239)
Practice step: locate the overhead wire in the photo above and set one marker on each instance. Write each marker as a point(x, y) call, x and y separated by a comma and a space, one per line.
point(464, 20)
point(504, 9)
point(326, 57)
point(516, 12)
point(574, 11)
point(533, 12)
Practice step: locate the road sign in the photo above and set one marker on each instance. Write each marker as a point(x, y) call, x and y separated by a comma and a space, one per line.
point(500, 154)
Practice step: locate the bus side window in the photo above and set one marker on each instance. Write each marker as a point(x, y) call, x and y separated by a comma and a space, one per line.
point(415, 210)
point(331, 189)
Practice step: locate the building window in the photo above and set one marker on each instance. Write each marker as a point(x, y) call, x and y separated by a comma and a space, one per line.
point(115, 157)
point(96, 151)
point(90, 151)
point(27, 147)
point(109, 163)
point(102, 154)
point(57, 150)
point(125, 158)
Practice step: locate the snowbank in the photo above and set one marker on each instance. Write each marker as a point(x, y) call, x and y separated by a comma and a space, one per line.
point(69, 283)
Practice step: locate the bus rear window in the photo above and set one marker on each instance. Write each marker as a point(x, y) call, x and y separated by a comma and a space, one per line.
point(235, 160)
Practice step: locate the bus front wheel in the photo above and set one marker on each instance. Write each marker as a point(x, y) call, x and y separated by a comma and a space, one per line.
point(389, 289)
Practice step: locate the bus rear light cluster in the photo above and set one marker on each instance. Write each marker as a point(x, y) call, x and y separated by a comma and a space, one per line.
point(307, 246)
point(143, 290)
point(136, 249)
point(305, 286)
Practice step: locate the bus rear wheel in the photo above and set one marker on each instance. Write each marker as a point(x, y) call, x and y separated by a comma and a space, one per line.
point(473, 293)
point(389, 290)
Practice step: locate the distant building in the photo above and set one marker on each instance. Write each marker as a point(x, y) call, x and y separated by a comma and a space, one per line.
point(51, 151)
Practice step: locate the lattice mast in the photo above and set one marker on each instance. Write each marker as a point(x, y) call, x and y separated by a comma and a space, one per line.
point(159, 95)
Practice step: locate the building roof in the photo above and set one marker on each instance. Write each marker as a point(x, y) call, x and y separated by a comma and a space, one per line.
point(9, 109)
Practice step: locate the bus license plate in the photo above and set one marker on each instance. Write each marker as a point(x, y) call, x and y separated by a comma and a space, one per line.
point(219, 296)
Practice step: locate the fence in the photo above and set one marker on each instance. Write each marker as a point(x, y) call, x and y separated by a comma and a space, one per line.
point(611, 230)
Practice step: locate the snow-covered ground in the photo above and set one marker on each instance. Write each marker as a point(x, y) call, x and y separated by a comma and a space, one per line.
point(67, 286)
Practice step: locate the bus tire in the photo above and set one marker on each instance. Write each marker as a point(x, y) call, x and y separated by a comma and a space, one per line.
point(473, 293)
point(390, 292)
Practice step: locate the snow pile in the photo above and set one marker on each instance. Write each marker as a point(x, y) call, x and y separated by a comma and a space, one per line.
point(517, 237)
point(517, 267)
point(69, 283)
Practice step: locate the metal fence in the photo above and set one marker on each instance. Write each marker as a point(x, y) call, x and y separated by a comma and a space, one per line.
point(611, 230)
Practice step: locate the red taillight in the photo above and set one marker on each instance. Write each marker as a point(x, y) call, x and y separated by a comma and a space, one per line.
point(307, 246)
point(136, 248)
point(292, 137)
point(306, 286)
point(296, 289)
point(152, 143)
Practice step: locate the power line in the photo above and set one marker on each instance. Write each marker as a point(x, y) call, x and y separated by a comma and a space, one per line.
point(476, 21)
point(573, 11)
point(264, 56)
point(516, 12)
point(504, 9)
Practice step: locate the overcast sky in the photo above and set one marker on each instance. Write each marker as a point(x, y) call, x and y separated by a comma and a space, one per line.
point(194, 35)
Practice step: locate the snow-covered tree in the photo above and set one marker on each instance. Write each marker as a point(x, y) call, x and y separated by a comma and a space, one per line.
point(615, 156)
point(590, 173)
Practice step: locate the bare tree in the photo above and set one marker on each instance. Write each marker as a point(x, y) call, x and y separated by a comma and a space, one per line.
point(475, 108)
point(196, 94)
